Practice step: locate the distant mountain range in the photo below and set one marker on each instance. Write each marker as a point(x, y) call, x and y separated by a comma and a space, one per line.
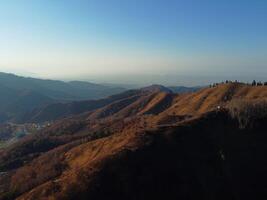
point(59, 90)
point(20, 95)
point(30, 99)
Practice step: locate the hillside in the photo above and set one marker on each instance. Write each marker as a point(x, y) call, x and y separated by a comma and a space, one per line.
point(122, 100)
point(151, 100)
point(192, 160)
point(209, 144)
point(183, 89)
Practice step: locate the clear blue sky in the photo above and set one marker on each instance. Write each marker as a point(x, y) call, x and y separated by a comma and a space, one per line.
point(79, 38)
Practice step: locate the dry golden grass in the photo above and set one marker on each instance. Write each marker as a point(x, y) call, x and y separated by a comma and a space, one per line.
point(210, 98)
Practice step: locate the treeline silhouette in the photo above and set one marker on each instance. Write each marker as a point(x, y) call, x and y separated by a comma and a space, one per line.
point(254, 83)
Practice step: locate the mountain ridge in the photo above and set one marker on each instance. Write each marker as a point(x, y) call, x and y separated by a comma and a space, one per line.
point(54, 99)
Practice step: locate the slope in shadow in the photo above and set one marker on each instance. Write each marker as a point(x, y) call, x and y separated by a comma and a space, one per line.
point(206, 158)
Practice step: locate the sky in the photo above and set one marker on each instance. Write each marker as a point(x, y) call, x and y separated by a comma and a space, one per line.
point(134, 40)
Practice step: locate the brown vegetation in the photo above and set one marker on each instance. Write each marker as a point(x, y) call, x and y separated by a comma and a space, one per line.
point(148, 145)
point(248, 112)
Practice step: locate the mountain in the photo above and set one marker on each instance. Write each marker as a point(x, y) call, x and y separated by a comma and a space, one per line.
point(37, 100)
point(20, 95)
point(14, 104)
point(57, 111)
point(74, 90)
point(188, 161)
point(147, 144)
point(146, 100)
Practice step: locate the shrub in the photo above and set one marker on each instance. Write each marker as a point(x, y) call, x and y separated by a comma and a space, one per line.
point(247, 112)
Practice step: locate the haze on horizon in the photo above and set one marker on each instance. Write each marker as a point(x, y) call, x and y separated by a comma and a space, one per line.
point(140, 41)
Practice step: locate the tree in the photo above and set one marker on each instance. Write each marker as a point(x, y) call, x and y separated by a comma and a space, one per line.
point(254, 83)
